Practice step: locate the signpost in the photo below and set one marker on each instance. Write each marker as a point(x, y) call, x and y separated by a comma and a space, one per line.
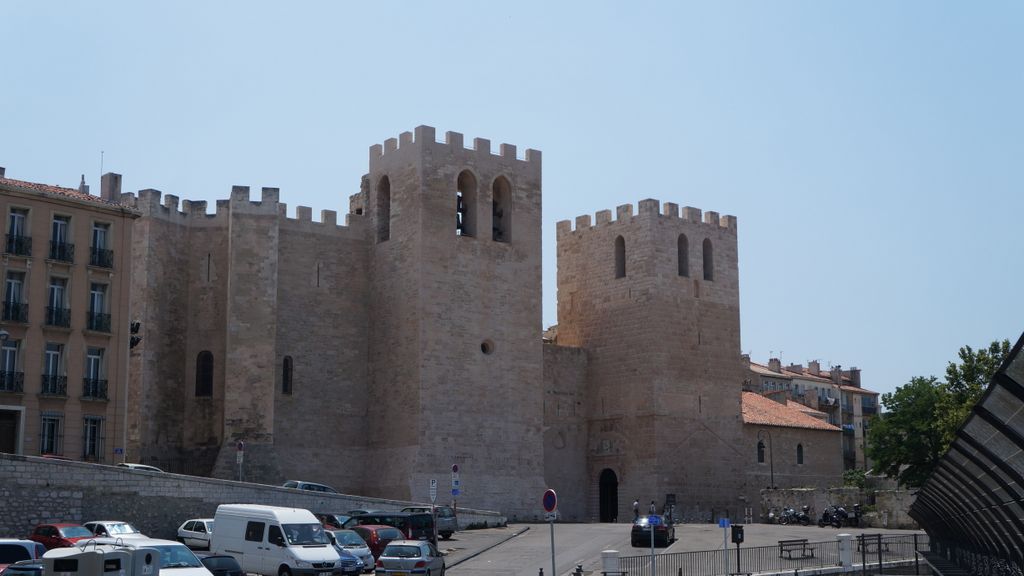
point(653, 521)
point(723, 523)
point(433, 510)
point(550, 502)
point(239, 456)
point(456, 486)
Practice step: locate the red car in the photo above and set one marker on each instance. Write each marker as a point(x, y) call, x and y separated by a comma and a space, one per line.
point(378, 536)
point(60, 535)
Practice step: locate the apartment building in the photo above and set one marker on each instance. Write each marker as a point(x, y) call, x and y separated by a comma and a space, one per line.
point(64, 328)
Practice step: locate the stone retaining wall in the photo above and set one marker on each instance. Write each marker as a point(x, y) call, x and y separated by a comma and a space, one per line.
point(38, 490)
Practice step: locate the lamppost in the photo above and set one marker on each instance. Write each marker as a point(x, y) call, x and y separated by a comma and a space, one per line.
point(771, 454)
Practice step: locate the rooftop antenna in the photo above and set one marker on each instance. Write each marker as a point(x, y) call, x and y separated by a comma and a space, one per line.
point(101, 163)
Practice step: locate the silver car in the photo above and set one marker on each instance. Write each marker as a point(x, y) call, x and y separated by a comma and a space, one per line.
point(352, 543)
point(410, 557)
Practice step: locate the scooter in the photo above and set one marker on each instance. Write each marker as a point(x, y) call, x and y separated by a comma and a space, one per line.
point(833, 516)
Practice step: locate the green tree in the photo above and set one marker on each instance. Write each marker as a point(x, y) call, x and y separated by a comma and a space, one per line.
point(905, 442)
point(965, 384)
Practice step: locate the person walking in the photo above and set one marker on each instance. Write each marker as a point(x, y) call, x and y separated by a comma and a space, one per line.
point(636, 509)
point(654, 508)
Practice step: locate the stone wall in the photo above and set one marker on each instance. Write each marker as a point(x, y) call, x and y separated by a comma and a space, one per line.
point(565, 430)
point(882, 508)
point(822, 466)
point(36, 490)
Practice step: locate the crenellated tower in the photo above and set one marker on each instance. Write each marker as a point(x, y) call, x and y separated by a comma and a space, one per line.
point(455, 316)
point(654, 298)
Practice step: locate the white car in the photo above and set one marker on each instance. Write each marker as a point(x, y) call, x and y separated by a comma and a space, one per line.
point(145, 467)
point(113, 529)
point(175, 558)
point(195, 533)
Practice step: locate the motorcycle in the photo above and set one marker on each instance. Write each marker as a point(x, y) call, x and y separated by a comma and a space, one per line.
point(834, 516)
point(791, 516)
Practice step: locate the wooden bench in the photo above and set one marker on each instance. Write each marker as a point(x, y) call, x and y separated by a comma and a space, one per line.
point(870, 543)
point(799, 545)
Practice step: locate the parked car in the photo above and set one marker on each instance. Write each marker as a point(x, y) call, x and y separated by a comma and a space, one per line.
point(414, 526)
point(447, 522)
point(352, 543)
point(410, 557)
point(350, 564)
point(143, 467)
point(59, 535)
point(272, 540)
point(311, 486)
point(114, 529)
point(195, 533)
point(222, 565)
point(24, 568)
point(14, 550)
point(331, 521)
point(378, 536)
point(358, 512)
point(175, 558)
point(664, 532)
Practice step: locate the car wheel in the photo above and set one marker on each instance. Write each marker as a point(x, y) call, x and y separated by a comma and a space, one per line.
point(284, 571)
point(446, 535)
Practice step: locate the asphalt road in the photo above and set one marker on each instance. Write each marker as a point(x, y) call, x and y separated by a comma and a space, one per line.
point(522, 549)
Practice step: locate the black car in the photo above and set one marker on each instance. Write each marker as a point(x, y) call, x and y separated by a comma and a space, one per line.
point(24, 568)
point(222, 565)
point(664, 532)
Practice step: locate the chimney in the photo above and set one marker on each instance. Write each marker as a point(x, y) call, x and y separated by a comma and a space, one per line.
point(837, 375)
point(3, 171)
point(110, 187)
point(798, 368)
point(82, 186)
point(854, 375)
point(775, 365)
point(814, 367)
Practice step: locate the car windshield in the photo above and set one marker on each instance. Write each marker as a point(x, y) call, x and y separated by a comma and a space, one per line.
point(75, 532)
point(121, 528)
point(348, 538)
point(209, 526)
point(299, 534)
point(401, 551)
point(176, 556)
point(389, 534)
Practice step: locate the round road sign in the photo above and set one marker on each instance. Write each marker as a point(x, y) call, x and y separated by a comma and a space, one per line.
point(455, 468)
point(550, 500)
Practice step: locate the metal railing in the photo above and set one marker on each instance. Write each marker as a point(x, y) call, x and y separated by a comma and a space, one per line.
point(101, 257)
point(15, 312)
point(94, 388)
point(12, 381)
point(62, 251)
point(54, 385)
point(759, 559)
point(98, 322)
point(58, 316)
point(18, 245)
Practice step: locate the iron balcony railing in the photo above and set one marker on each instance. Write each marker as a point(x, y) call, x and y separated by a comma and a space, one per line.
point(12, 381)
point(758, 559)
point(62, 251)
point(101, 257)
point(869, 410)
point(16, 312)
point(98, 322)
point(94, 388)
point(18, 245)
point(54, 385)
point(58, 316)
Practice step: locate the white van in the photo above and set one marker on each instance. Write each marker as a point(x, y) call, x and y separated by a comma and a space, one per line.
point(273, 541)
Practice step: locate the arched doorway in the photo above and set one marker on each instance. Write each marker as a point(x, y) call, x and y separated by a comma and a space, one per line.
point(608, 495)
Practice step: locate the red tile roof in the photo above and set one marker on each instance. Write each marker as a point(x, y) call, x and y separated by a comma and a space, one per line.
point(71, 193)
point(764, 411)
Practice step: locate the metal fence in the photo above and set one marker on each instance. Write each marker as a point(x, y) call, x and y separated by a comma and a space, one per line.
point(871, 552)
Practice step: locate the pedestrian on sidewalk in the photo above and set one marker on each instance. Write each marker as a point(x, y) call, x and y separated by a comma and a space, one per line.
point(654, 508)
point(636, 509)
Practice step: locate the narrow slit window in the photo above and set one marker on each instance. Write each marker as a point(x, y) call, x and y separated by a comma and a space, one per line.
point(709, 261)
point(465, 204)
point(204, 374)
point(760, 452)
point(383, 209)
point(683, 249)
point(286, 376)
point(799, 453)
point(501, 210)
point(620, 257)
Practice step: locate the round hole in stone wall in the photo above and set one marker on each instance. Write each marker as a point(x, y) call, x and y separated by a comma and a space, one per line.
point(487, 346)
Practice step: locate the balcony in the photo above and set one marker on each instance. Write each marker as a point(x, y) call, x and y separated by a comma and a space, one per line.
point(15, 312)
point(98, 322)
point(58, 317)
point(94, 389)
point(62, 251)
point(101, 257)
point(18, 245)
point(54, 385)
point(869, 410)
point(12, 382)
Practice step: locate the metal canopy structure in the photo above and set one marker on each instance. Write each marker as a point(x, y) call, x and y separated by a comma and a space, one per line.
point(972, 505)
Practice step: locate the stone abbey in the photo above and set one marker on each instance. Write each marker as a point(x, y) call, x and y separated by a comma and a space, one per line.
point(374, 353)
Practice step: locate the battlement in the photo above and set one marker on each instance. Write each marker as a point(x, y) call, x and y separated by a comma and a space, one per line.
point(454, 140)
point(648, 208)
point(165, 206)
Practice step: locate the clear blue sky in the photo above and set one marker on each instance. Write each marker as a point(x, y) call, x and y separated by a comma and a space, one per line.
point(873, 152)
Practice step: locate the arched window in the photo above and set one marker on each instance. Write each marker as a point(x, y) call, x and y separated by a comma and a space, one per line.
point(620, 257)
point(799, 453)
point(760, 451)
point(709, 261)
point(684, 255)
point(465, 205)
point(204, 374)
point(383, 209)
point(501, 210)
point(286, 376)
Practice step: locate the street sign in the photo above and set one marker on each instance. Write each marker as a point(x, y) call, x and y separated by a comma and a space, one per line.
point(433, 490)
point(550, 516)
point(119, 451)
point(723, 522)
point(654, 520)
point(550, 500)
point(238, 457)
point(455, 491)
